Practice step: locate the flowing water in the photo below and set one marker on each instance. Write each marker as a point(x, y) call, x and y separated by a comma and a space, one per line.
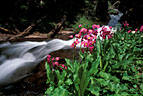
point(17, 60)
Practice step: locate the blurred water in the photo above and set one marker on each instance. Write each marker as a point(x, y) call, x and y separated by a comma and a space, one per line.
point(17, 60)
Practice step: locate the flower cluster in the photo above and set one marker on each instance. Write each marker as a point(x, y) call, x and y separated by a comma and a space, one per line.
point(134, 31)
point(54, 63)
point(87, 37)
point(126, 24)
point(141, 28)
point(106, 32)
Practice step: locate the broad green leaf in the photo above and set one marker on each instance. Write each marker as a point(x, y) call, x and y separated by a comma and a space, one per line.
point(84, 82)
point(94, 68)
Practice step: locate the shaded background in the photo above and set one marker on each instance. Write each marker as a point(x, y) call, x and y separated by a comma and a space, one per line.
point(47, 13)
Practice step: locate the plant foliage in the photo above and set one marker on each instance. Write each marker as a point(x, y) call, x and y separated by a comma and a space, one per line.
point(113, 68)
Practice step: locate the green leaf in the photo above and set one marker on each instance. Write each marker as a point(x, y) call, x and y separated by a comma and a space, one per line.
point(94, 68)
point(70, 65)
point(126, 78)
point(124, 94)
point(141, 87)
point(104, 75)
point(102, 82)
point(60, 76)
point(114, 79)
point(89, 58)
point(24, 7)
point(94, 90)
point(81, 54)
point(60, 91)
point(68, 82)
point(98, 46)
point(49, 73)
point(76, 81)
point(49, 90)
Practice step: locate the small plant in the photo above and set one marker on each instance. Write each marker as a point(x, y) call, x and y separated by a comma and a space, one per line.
point(82, 21)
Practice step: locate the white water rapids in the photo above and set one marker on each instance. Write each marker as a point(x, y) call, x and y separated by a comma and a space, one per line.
point(18, 59)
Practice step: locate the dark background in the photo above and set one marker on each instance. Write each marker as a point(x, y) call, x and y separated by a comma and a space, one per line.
point(21, 13)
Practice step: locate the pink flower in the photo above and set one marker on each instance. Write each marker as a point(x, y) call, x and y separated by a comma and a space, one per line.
point(78, 35)
point(90, 43)
point(53, 64)
point(109, 36)
point(85, 36)
point(49, 56)
point(95, 37)
point(48, 60)
point(56, 63)
point(103, 36)
point(71, 36)
point(83, 30)
point(95, 26)
point(82, 42)
point(82, 50)
point(126, 24)
point(141, 28)
point(136, 30)
point(75, 43)
point(91, 48)
point(104, 29)
point(88, 37)
point(90, 31)
point(65, 67)
point(110, 27)
point(53, 59)
point(86, 44)
point(95, 32)
point(57, 58)
point(129, 31)
point(80, 25)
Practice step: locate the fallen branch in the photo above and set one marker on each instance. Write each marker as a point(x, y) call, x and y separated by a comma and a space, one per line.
point(4, 29)
point(57, 28)
point(16, 31)
point(22, 34)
